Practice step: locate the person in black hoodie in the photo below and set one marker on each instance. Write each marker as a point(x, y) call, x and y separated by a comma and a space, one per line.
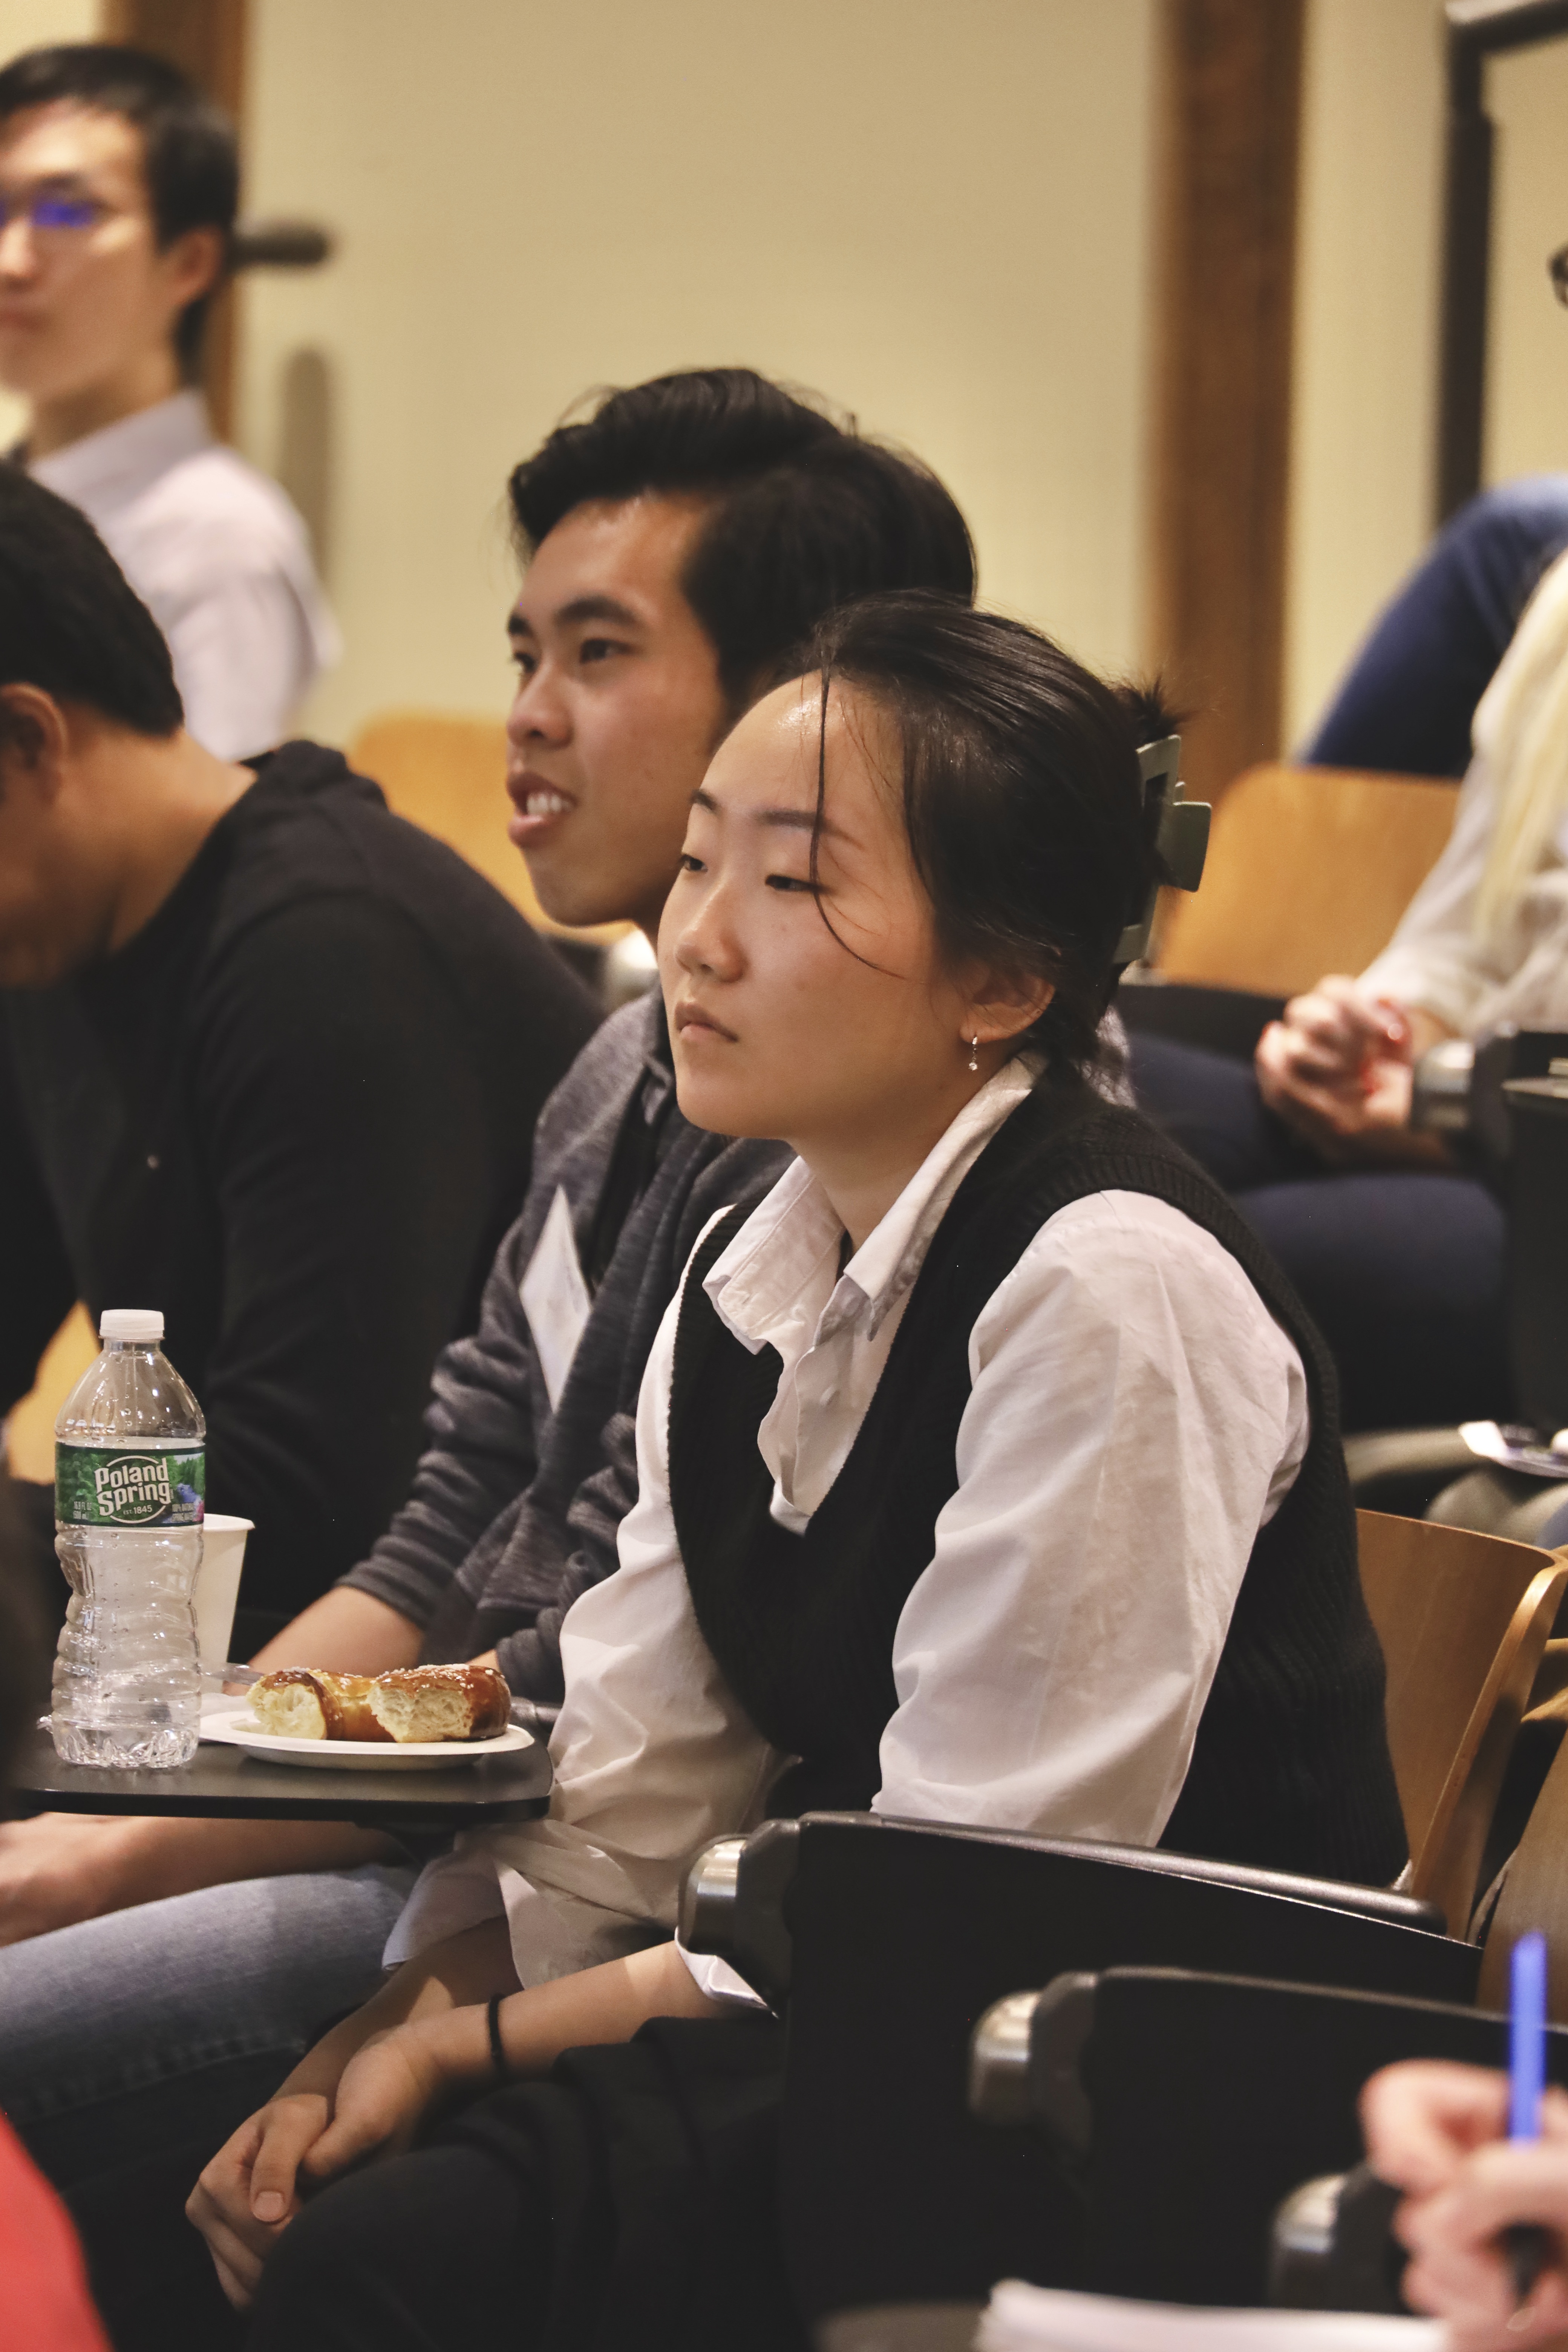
point(270, 1060)
point(988, 1472)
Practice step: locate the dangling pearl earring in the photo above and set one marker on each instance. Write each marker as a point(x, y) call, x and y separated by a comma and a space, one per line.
point(973, 1053)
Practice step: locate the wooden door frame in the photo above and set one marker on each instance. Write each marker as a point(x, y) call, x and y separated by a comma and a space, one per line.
point(1230, 104)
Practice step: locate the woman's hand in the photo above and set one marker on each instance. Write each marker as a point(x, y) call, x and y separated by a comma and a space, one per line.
point(1338, 1069)
point(365, 2090)
point(1438, 2132)
point(386, 2089)
point(255, 2185)
point(252, 2188)
point(248, 2193)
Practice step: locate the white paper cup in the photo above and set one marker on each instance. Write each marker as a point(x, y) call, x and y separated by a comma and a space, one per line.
point(217, 1584)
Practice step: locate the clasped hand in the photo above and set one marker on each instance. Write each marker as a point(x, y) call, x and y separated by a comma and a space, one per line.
point(1338, 1070)
point(256, 2184)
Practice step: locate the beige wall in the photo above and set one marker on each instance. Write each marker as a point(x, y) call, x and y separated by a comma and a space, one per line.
point(940, 221)
point(1367, 308)
point(1365, 326)
point(943, 222)
point(25, 23)
point(1527, 420)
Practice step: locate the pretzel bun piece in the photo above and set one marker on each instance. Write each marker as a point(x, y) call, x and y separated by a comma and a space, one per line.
point(300, 1703)
point(429, 1703)
point(350, 1715)
point(416, 1703)
point(290, 1705)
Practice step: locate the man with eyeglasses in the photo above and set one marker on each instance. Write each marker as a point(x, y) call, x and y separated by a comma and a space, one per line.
point(118, 188)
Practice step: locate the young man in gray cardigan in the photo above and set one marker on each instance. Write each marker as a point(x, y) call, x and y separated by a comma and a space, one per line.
point(675, 544)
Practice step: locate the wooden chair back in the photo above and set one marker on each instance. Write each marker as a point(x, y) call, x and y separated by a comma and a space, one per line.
point(1534, 1898)
point(1309, 871)
point(30, 1429)
point(447, 774)
point(1464, 1620)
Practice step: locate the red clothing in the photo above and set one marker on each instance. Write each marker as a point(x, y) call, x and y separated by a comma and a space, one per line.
point(44, 2303)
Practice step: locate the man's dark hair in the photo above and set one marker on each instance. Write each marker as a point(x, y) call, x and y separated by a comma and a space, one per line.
point(1020, 793)
point(805, 512)
point(190, 160)
point(71, 623)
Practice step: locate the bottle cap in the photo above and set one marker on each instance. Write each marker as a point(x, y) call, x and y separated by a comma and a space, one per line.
point(145, 1323)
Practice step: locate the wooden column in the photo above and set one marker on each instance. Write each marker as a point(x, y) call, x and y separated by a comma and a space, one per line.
point(1230, 106)
point(206, 38)
point(1466, 255)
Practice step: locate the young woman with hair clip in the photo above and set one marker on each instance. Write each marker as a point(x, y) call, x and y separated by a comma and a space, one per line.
point(988, 1473)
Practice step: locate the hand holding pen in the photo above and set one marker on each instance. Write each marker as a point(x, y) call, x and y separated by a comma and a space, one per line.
point(1483, 2159)
point(1527, 2244)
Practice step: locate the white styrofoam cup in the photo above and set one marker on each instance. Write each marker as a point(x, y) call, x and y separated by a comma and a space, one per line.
point(217, 1584)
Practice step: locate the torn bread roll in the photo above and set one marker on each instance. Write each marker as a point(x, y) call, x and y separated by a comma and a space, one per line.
point(411, 1703)
point(302, 1702)
point(421, 1703)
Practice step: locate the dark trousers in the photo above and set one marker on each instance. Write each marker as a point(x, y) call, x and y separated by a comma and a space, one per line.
point(429, 2253)
point(151, 2274)
point(1402, 1273)
point(627, 2204)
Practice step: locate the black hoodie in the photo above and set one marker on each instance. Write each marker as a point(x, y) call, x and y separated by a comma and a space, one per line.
point(295, 1112)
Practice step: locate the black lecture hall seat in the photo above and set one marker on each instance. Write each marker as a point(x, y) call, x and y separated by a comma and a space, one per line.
point(1184, 2108)
point(886, 1941)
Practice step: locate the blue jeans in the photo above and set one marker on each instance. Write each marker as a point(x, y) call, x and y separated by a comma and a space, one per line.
point(174, 2021)
point(1406, 702)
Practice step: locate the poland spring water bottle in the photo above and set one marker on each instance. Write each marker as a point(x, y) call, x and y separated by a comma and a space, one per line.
point(130, 1476)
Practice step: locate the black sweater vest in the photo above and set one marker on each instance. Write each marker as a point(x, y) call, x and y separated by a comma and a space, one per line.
point(1291, 1769)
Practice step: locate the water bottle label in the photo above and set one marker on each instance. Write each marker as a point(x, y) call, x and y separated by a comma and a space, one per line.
point(111, 1487)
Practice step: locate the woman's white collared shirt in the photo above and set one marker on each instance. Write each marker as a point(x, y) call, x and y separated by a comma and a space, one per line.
point(1135, 1416)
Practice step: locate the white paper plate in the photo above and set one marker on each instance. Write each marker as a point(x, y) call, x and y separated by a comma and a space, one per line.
point(238, 1727)
point(1058, 2319)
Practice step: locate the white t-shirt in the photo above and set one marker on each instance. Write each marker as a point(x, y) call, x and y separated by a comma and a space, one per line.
point(220, 558)
point(1136, 1415)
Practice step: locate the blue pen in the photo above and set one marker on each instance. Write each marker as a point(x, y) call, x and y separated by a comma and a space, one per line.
point(1526, 2243)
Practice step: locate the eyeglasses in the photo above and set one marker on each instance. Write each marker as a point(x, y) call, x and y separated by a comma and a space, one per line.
point(1557, 270)
point(51, 216)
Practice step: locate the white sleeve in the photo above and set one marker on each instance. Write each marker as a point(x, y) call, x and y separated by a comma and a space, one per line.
point(1436, 959)
point(1135, 1416)
point(1435, 962)
point(653, 1753)
point(244, 659)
